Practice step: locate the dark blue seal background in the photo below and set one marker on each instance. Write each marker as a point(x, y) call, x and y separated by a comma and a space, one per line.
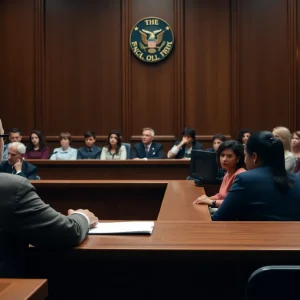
point(157, 48)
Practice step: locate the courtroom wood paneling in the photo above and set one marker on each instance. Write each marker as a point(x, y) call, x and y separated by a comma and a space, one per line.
point(17, 64)
point(264, 70)
point(67, 66)
point(207, 66)
point(152, 100)
point(83, 67)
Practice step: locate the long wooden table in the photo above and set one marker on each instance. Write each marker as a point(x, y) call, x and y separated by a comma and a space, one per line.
point(187, 256)
point(20, 289)
point(126, 199)
point(180, 260)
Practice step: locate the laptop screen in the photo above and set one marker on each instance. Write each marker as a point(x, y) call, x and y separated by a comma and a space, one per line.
point(204, 165)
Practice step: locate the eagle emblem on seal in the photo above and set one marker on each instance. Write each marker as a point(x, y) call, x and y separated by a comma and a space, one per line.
point(151, 39)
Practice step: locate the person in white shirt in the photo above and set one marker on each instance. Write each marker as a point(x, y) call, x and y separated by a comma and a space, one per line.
point(114, 148)
point(65, 152)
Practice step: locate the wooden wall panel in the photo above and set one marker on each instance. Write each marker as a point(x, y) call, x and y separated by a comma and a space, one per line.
point(207, 67)
point(264, 70)
point(67, 65)
point(83, 66)
point(152, 100)
point(17, 64)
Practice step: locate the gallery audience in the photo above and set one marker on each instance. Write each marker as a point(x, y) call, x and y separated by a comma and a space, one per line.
point(65, 152)
point(148, 149)
point(114, 148)
point(36, 148)
point(15, 135)
point(90, 150)
point(217, 140)
point(183, 148)
point(284, 135)
point(243, 136)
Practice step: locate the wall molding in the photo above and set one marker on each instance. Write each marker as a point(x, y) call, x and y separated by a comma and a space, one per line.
point(126, 7)
point(179, 28)
point(292, 45)
point(39, 68)
point(234, 72)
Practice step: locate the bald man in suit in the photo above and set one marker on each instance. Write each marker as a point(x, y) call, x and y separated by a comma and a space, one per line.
point(25, 219)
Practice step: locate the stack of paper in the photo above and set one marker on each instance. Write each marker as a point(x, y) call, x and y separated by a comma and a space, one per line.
point(141, 227)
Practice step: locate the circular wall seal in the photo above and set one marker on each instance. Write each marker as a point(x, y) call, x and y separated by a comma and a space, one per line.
point(151, 39)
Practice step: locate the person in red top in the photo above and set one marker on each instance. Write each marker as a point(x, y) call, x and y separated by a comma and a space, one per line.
point(231, 158)
point(37, 148)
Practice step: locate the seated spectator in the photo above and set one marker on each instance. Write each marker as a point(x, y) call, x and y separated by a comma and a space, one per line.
point(295, 145)
point(90, 151)
point(65, 152)
point(114, 148)
point(217, 140)
point(297, 167)
point(15, 135)
point(266, 192)
point(231, 158)
point(243, 136)
point(183, 149)
point(37, 148)
point(15, 163)
point(148, 149)
point(1, 141)
point(284, 135)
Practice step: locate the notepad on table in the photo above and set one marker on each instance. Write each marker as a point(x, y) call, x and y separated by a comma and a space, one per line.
point(132, 227)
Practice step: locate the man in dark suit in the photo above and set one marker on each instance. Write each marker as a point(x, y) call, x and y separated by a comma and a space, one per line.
point(25, 219)
point(148, 149)
point(16, 163)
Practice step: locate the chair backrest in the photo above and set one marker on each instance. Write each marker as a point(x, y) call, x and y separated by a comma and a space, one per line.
point(274, 282)
point(128, 149)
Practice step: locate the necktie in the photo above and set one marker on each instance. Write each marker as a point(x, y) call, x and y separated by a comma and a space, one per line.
point(147, 150)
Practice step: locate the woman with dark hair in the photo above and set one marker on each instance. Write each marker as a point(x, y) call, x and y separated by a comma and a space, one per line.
point(114, 148)
point(266, 192)
point(243, 136)
point(37, 148)
point(231, 158)
point(183, 149)
point(217, 140)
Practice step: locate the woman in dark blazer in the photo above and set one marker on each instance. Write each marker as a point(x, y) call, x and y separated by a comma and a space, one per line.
point(266, 192)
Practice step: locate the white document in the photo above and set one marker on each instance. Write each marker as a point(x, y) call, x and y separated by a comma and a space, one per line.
point(141, 227)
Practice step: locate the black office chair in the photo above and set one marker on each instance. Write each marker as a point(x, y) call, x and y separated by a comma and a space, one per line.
point(274, 282)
